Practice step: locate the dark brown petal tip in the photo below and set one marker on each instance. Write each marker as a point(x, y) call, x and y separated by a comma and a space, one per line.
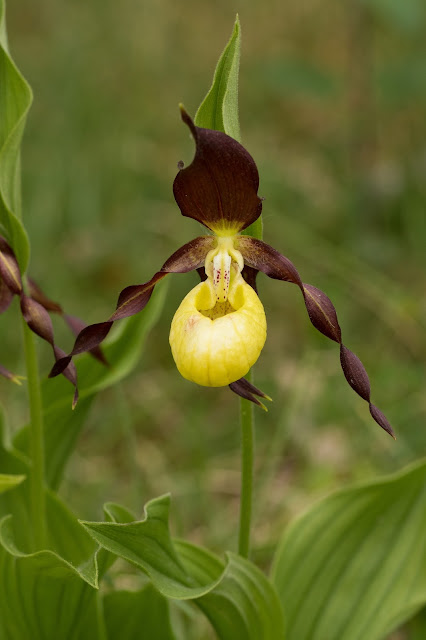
point(10, 376)
point(134, 298)
point(321, 311)
point(219, 188)
point(248, 391)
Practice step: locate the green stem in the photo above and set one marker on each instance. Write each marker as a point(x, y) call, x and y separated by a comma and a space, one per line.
point(36, 478)
point(247, 458)
point(247, 444)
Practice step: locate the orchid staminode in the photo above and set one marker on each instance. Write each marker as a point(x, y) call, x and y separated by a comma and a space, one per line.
point(219, 330)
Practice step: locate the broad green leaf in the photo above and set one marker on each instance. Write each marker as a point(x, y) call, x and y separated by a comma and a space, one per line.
point(219, 109)
point(243, 604)
point(15, 101)
point(354, 566)
point(236, 596)
point(62, 425)
point(50, 589)
point(54, 588)
point(135, 615)
point(10, 481)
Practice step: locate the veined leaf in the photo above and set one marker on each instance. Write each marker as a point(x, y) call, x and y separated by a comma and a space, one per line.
point(62, 425)
point(354, 566)
point(219, 109)
point(134, 615)
point(15, 101)
point(236, 596)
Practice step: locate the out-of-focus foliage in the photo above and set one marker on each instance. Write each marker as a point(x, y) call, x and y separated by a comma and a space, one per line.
point(332, 102)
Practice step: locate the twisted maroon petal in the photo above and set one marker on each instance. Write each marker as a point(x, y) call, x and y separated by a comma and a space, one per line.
point(9, 268)
point(322, 314)
point(38, 320)
point(134, 298)
point(219, 188)
point(6, 296)
point(75, 324)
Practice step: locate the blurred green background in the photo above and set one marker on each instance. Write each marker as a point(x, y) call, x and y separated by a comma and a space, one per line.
point(332, 107)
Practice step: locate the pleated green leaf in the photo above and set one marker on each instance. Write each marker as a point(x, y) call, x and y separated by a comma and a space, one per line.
point(219, 109)
point(236, 596)
point(15, 101)
point(354, 566)
point(51, 589)
point(62, 424)
point(135, 615)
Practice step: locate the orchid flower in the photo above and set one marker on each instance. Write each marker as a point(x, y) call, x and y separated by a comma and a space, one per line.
point(35, 308)
point(219, 329)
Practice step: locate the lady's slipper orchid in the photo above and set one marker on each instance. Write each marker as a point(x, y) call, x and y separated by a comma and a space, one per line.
point(35, 308)
point(219, 329)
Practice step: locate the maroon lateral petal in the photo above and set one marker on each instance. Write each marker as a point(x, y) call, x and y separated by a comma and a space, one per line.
point(249, 274)
point(355, 373)
point(39, 296)
point(9, 268)
point(76, 325)
point(262, 257)
point(381, 420)
point(38, 320)
point(134, 298)
point(219, 188)
point(321, 311)
point(6, 296)
point(248, 391)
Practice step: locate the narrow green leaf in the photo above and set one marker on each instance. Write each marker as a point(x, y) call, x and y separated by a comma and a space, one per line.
point(354, 566)
point(236, 596)
point(62, 425)
point(9, 481)
point(15, 101)
point(219, 109)
point(137, 615)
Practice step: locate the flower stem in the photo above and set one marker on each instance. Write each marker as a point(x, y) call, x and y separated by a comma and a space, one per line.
point(247, 457)
point(36, 477)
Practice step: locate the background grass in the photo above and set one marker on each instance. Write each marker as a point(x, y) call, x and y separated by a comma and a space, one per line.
point(332, 106)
